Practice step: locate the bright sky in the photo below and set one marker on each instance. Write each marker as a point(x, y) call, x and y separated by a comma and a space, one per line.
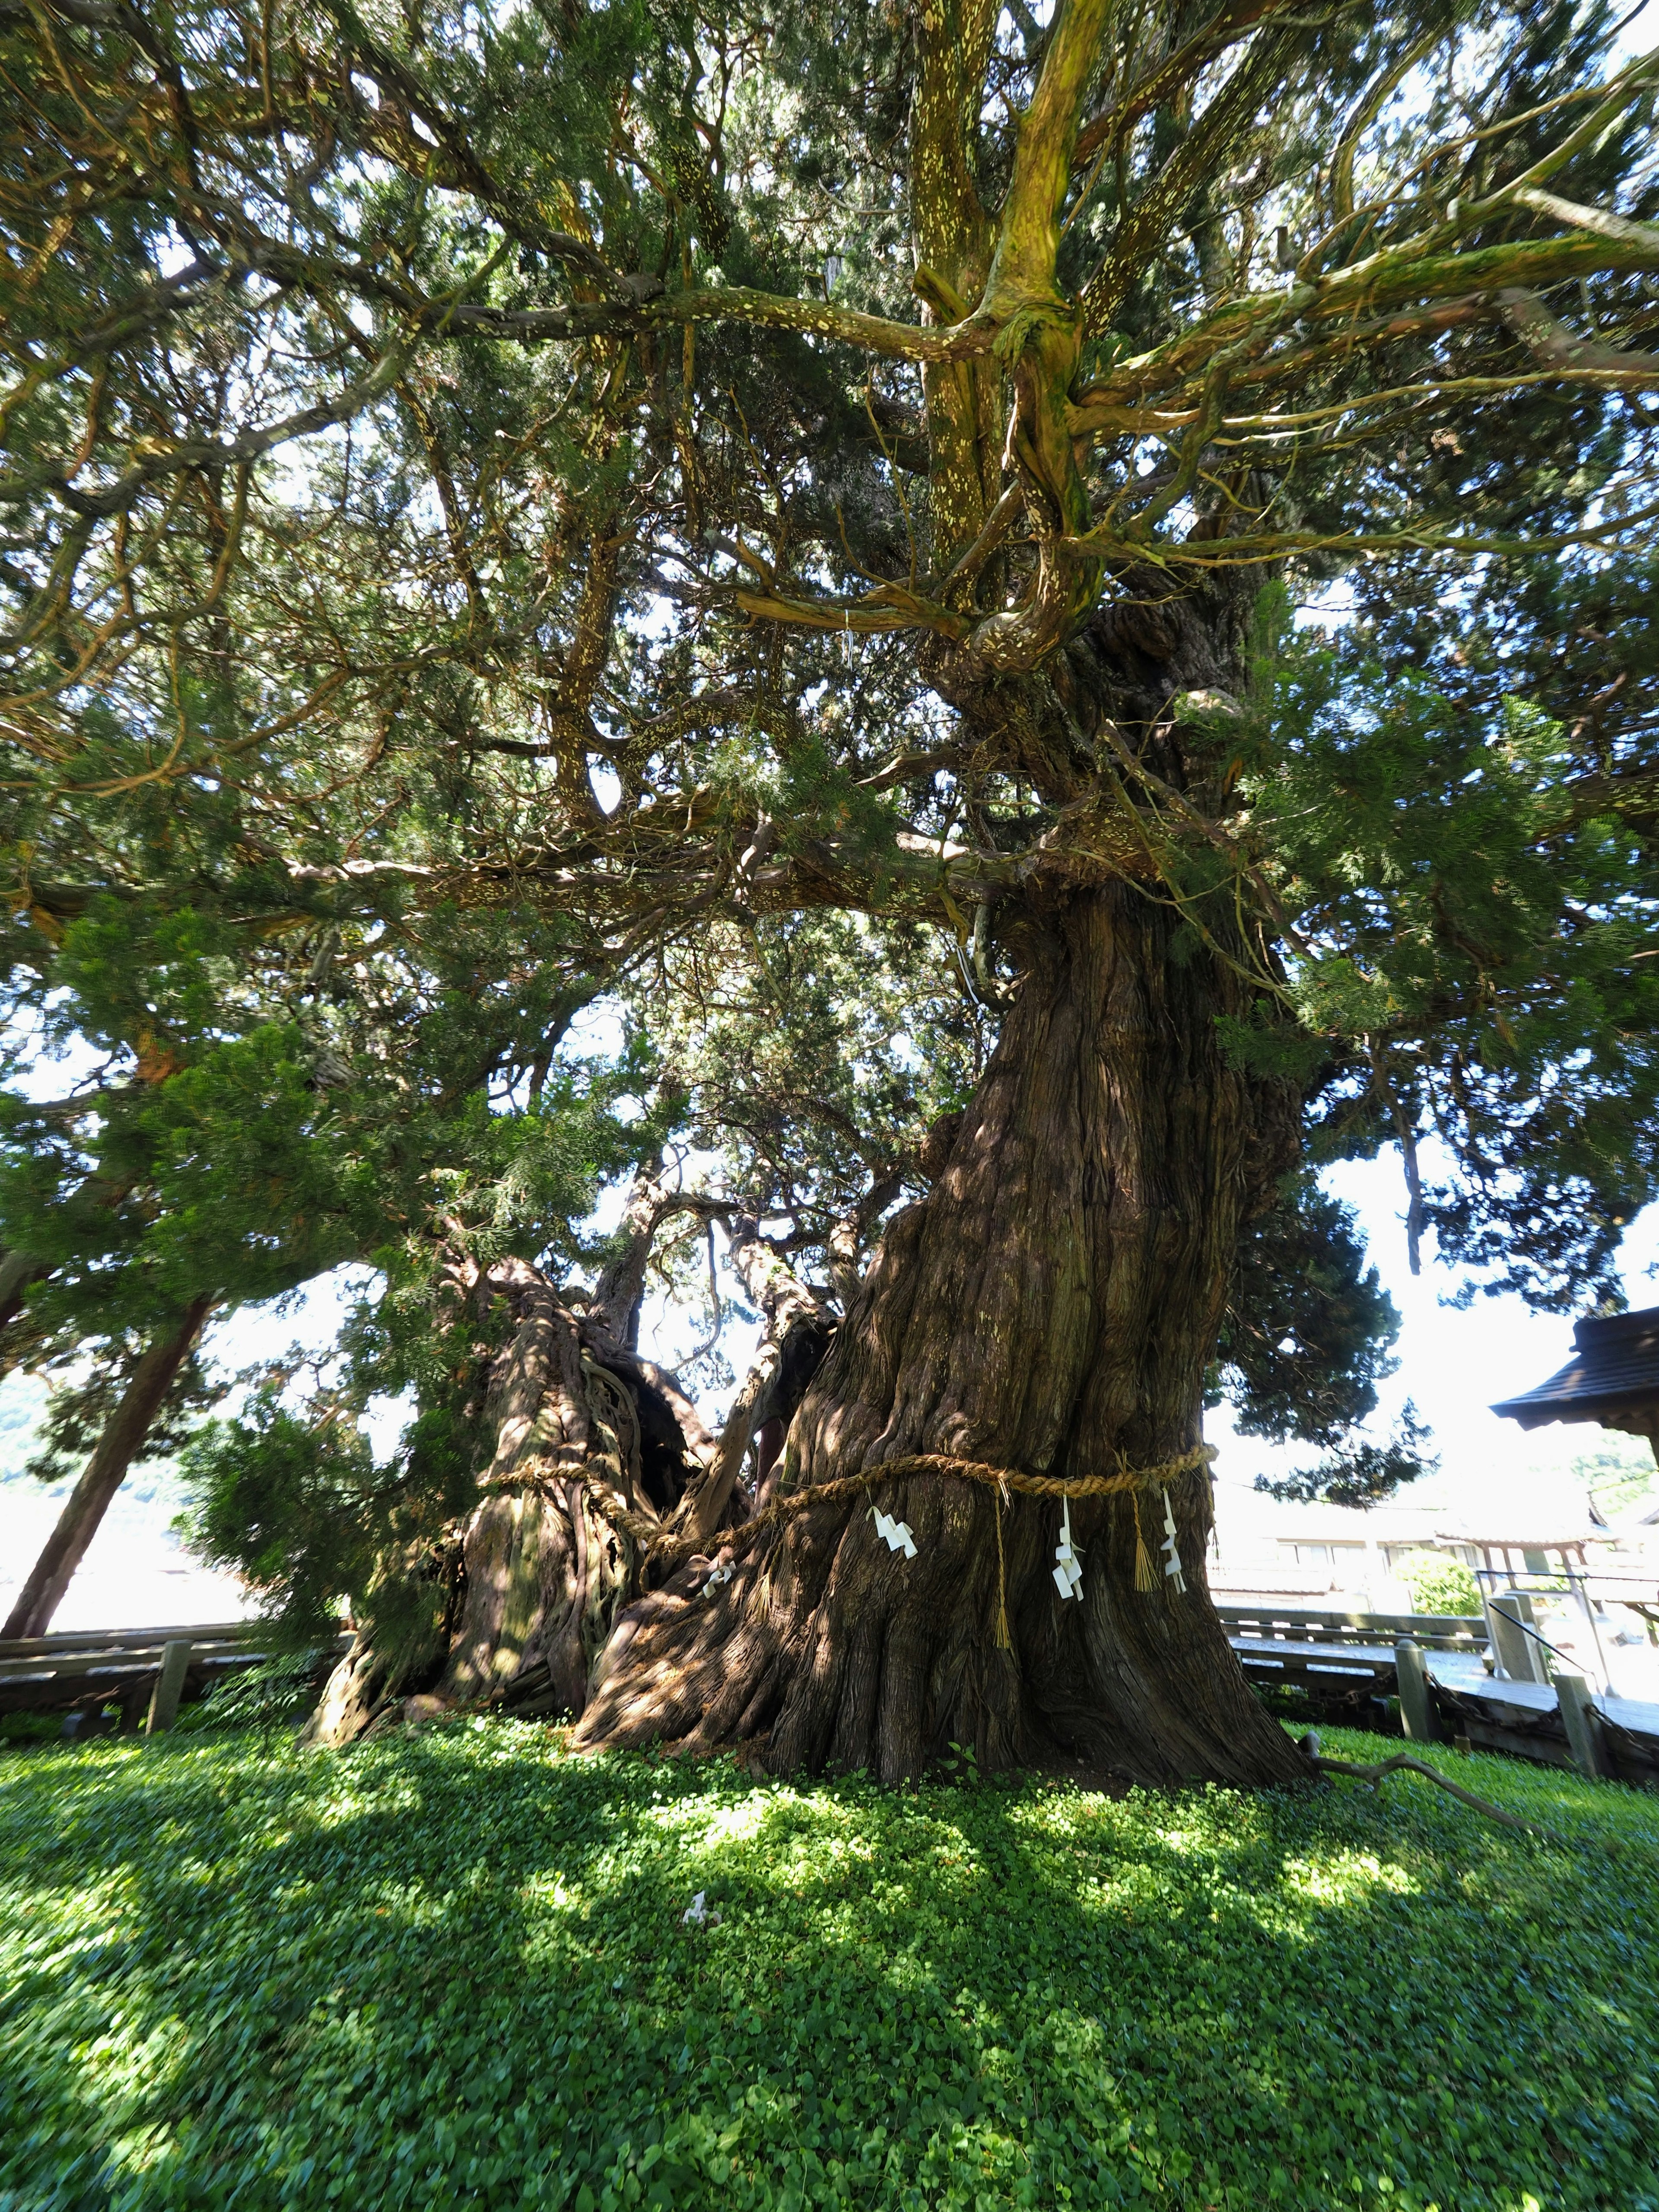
point(1455, 1365)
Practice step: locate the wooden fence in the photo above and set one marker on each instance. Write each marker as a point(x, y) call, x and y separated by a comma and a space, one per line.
point(1353, 1667)
point(1348, 1665)
point(86, 1669)
point(1434, 1632)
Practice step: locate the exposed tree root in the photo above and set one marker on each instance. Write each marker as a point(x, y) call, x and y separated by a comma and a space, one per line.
point(1403, 1763)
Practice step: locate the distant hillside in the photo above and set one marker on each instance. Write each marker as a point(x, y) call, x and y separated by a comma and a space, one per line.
point(152, 1491)
point(1617, 1471)
point(22, 1401)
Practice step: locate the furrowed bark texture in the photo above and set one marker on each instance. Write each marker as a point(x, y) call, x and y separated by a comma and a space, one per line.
point(1050, 1306)
point(527, 1588)
point(541, 1573)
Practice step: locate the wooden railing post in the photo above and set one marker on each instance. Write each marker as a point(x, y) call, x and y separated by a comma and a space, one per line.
point(1519, 1657)
point(1416, 1692)
point(169, 1688)
point(1584, 1726)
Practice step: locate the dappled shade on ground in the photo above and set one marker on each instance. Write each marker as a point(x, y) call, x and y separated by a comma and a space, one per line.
point(452, 1968)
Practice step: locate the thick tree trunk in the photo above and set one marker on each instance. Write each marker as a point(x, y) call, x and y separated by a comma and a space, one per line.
point(119, 1446)
point(1050, 1307)
point(526, 1586)
point(537, 1577)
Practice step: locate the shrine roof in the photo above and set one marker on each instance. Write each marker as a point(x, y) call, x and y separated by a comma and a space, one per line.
point(1614, 1369)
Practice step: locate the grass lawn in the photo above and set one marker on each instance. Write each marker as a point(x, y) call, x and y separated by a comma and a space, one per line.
point(451, 1969)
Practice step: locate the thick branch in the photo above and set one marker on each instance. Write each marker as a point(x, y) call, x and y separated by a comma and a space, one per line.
point(1164, 79)
point(1023, 271)
point(1372, 287)
point(1596, 220)
point(784, 1303)
point(1200, 154)
point(1552, 341)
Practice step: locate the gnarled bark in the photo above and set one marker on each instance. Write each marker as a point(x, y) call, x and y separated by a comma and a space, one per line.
point(529, 1584)
point(585, 1432)
point(1051, 1305)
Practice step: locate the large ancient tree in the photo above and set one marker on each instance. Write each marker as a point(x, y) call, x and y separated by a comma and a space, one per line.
point(685, 480)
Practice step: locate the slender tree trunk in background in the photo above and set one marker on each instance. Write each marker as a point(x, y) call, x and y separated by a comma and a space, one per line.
point(1051, 1306)
point(119, 1445)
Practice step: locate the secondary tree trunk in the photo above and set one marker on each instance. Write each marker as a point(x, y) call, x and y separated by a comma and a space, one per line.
point(119, 1446)
point(1051, 1306)
point(534, 1584)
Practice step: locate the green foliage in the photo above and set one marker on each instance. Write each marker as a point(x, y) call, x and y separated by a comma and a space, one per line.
point(344, 769)
point(1618, 1473)
point(73, 1417)
point(1305, 1341)
point(280, 1689)
point(288, 1495)
point(1360, 1472)
point(244, 1154)
point(815, 1050)
point(1472, 914)
point(453, 1969)
point(282, 1501)
point(30, 1728)
point(1439, 1583)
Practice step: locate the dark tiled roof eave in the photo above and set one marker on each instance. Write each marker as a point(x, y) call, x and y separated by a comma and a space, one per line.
point(1614, 1370)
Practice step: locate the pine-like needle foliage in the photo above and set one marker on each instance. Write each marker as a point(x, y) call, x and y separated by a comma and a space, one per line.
point(715, 512)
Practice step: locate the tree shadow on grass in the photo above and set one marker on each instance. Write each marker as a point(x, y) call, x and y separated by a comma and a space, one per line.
point(453, 1969)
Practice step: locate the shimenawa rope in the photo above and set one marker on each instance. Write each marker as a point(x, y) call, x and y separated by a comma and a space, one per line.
point(669, 1552)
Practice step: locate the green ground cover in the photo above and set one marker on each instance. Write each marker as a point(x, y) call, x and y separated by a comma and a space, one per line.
point(451, 1969)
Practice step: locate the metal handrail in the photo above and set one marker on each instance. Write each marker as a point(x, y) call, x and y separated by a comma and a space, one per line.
point(1576, 1584)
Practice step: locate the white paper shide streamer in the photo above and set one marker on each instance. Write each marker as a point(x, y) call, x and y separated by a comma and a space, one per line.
point(896, 1535)
point(1171, 1550)
point(1069, 1563)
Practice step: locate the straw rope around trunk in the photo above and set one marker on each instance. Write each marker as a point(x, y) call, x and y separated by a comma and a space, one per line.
point(665, 1553)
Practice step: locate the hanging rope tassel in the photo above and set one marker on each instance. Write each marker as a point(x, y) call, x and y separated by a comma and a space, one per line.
point(1145, 1580)
point(1005, 1641)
